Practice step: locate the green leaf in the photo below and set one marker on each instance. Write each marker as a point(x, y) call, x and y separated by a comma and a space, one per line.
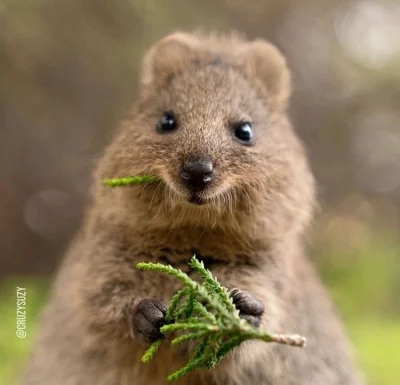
point(130, 180)
point(188, 337)
point(189, 367)
point(187, 326)
point(212, 282)
point(152, 350)
point(205, 312)
point(176, 299)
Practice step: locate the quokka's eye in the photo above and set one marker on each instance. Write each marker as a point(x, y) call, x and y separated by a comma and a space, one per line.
point(167, 123)
point(243, 133)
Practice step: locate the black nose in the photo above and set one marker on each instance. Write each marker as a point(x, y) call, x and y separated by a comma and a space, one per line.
point(197, 172)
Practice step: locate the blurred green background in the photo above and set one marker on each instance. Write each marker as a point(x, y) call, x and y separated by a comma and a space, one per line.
point(68, 73)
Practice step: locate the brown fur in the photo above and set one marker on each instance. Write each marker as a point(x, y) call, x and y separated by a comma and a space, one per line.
point(250, 229)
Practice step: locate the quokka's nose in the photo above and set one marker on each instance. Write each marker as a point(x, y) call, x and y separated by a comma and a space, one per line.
point(197, 172)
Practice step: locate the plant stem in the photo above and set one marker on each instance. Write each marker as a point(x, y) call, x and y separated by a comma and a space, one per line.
point(130, 180)
point(206, 311)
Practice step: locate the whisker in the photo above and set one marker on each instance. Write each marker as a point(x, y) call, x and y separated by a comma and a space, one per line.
point(155, 191)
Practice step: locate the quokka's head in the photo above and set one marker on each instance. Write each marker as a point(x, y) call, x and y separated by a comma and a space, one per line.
point(211, 123)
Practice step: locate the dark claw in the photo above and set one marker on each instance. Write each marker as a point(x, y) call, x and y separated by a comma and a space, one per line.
point(249, 307)
point(254, 320)
point(148, 318)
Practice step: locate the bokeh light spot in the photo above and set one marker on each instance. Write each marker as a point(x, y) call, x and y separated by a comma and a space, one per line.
point(369, 32)
point(51, 214)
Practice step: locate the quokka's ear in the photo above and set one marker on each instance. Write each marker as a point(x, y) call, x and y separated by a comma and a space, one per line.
point(168, 57)
point(262, 60)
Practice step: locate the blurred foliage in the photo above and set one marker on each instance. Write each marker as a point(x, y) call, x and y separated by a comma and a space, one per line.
point(14, 351)
point(68, 73)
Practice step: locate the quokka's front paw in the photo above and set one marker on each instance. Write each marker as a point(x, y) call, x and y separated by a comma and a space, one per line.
point(249, 307)
point(148, 318)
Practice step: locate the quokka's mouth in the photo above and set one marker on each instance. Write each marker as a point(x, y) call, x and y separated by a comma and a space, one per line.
point(196, 199)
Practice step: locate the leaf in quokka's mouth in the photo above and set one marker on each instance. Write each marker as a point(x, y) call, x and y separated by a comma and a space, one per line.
point(131, 180)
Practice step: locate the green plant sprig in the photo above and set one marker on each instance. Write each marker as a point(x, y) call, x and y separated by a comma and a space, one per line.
point(205, 312)
point(130, 180)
